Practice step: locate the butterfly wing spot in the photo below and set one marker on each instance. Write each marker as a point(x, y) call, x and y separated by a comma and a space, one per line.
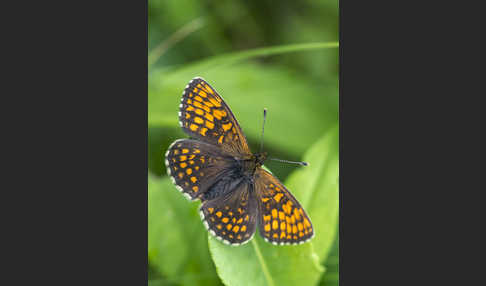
point(206, 108)
point(275, 224)
point(300, 226)
point(286, 209)
point(219, 114)
point(307, 223)
point(296, 214)
point(227, 126)
point(274, 213)
point(267, 227)
point(209, 124)
point(198, 120)
point(197, 104)
point(215, 102)
point(206, 87)
point(208, 117)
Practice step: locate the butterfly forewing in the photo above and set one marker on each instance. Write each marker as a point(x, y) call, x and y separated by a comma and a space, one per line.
point(194, 166)
point(281, 219)
point(232, 217)
point(205, 116)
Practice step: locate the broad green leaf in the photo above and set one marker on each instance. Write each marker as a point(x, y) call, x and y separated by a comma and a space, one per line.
point(317, 188)
point(177, 240)
point(261, 263)
point(331, 278)
point(307, 110)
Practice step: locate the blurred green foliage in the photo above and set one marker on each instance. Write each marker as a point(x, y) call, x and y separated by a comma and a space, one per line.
point(297, 81)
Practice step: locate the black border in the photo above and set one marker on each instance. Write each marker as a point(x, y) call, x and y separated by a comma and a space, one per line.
point(79, 142)
point(405, 126)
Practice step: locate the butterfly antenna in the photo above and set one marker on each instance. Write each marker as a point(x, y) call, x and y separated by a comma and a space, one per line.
point(275, 159)
point(263, 129)
point(291, 162)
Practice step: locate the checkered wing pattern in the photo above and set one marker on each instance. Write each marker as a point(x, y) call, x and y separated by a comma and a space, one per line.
point(232, 217)
point(205, 116)
point(194, 166)
point(282, 220)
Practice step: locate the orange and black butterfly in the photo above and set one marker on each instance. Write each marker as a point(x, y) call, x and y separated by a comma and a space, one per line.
point(217, 167)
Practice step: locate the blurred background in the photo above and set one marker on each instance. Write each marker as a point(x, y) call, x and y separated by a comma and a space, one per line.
point(211, 39)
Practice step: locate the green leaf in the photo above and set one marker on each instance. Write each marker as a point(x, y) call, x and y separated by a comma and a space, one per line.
point(331, 278)
point(261, 263)
point(317, 188)
point(177, 245)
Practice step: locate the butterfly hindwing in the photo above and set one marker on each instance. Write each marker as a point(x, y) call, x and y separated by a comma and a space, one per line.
point(205, 116)
point(231, 217)
point(194, 166)
point(281, 218)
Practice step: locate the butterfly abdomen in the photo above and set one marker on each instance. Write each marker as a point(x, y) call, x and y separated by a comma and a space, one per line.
point(227, 182)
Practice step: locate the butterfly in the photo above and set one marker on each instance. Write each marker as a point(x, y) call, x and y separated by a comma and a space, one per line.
point(217, 167)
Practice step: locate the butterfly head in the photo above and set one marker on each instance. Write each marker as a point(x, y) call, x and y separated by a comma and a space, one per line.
point(260, 158)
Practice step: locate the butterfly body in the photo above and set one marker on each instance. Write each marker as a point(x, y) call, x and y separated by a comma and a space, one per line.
point(249, 166)
point(217, 167)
